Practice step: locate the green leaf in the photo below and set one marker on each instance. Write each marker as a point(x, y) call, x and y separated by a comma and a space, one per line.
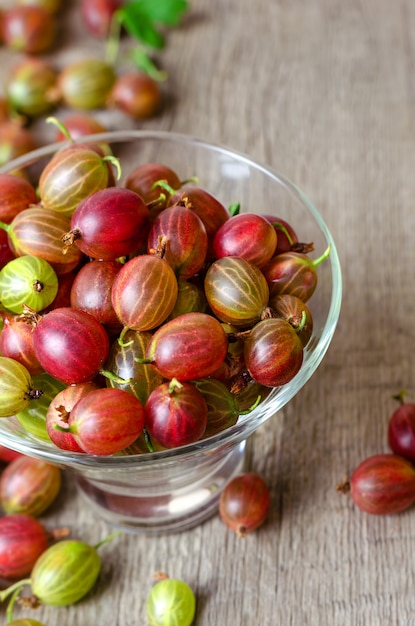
point(145, 63)
point(166, 12)
point(139, 25)
point(234, 208)
point(140, 17)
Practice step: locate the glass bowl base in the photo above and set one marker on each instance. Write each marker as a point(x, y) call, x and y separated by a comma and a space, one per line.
point(171, 511)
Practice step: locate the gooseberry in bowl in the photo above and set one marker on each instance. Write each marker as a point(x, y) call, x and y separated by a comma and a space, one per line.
point(155, 486)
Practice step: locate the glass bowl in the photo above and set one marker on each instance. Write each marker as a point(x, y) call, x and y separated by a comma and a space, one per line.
point(170, 491)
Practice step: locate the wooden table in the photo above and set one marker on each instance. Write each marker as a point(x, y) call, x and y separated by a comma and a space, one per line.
point(324, 92)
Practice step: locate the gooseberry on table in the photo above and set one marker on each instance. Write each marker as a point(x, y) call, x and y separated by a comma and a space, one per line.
point(171, 602)
point(382, 484)
point(23, 538)
point(244, 503)
point(401, 428)
point(28, 29)
point(29, 486)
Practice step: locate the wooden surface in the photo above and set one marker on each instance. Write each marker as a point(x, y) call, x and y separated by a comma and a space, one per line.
point(324, 92)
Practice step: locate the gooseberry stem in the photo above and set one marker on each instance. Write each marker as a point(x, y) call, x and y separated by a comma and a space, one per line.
point(113, 42)
point(115, 162)
point(13, 588)
point(400, 396)
point(60, 125)
point(282, 228)
point(10, 606)
point(164, 185)
point(4, 226)
point(174, 385)
point(251, 408)
point(323, 257)
point(121, 341)
point(301, 325)
point(114, 378)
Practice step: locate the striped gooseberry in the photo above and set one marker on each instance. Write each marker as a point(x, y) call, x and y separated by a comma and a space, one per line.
point(91, 292)
point(23, 538)
point(28, 281)
point(29, 486)
point(33, 417)
point(296, 312)
point(206, 206)
point(273, 352)
point(401, 428)
point(246, 235)
point(70, 344)
point(16, 342)
point(222, 408)
point(192, 345)
point(91, 421)
point(382, 484)
point(144, 292)
point(175, 414)
point(140, 379)
point(97, 14)
point(70, 176)
point(38, 231)
point(244, 503)
point(109, 223)
point(171, 602)
point(29, 87)
point(135, 93)
point(16, 387)
point(15, 140)
point(86, 84)
point(144, 179)
point(190, 298)
point(294, 273)
point(16, 194)
point(236, 291)
point(6, 254)
point(58, 413)
point(28, 29)
point(185, 240)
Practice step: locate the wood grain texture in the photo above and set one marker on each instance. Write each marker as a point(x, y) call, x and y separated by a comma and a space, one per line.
point(324, 92)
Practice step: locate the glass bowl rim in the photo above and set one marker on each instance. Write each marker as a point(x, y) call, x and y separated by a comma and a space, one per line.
point(241, 430)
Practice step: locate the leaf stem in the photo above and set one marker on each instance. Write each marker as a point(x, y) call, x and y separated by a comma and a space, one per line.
point(107, 539)
point(113, 43)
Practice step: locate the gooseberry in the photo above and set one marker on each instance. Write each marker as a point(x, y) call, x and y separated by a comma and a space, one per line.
point(29, 486)
point(171, 602)
point(401, 429)
point(23, 539)
point(27, 281)
point(244, 503)
point(175, 414)
point(382, 484)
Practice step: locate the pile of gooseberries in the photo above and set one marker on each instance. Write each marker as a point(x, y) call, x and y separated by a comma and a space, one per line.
point(145, 315)
point(384, 483)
